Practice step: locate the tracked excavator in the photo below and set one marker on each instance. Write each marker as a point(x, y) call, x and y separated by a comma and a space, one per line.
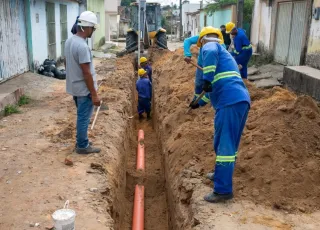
point(151, 31)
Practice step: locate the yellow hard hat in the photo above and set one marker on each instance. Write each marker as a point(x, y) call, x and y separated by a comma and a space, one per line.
point(229, 27)
point(141, 72)
point(209, 30)
point(143, 59)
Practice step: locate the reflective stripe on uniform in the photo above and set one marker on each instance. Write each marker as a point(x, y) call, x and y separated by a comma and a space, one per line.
point(226, 159)
point(205, 99)
point(247, 47)
point(227, 74)
point(209, 69)
point(236, 154)
point(236, 52)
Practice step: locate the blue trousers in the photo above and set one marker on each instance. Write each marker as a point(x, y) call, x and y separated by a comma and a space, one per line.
point(229, 123)
point(243, 59)
point(144, 105)
point(198, 83)
point(84, 111)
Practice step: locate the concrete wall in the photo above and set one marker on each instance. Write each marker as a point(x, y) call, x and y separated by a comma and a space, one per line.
point(313, 51)
point(39, 27)
point(97, 6)
point(111, 19)
point(261, 25)
point(188, 8)
point(218, 18)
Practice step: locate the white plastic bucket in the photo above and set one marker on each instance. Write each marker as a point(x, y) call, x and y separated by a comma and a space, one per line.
point(64, 218)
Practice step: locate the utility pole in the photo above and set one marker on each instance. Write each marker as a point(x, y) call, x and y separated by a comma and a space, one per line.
point(181, 29)
point(171, 23)
point(240, 7)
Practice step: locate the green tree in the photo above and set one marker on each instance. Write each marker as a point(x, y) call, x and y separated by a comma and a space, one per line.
point(247, 10)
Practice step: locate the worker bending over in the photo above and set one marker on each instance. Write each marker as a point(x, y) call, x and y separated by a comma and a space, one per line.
point(144, 88)
point(187, 57)
point(146, 66)
point(230, 98)
point(243, 48)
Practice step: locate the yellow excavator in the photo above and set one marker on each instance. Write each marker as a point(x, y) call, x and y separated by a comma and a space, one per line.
point(151, 33)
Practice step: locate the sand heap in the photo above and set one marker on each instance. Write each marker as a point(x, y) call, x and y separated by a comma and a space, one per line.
point(279, 156)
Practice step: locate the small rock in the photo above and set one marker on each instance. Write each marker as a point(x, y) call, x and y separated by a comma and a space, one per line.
point(302, 209)
point(32, 225)
point(68, 162)
point(4, 149)
point(93, 189)
point(49, 227)
point(251, 126)
point(268, 140)
point(62, 197)
point(37, 224)
point(19, 172)
point(255, 192)
point(8, 182)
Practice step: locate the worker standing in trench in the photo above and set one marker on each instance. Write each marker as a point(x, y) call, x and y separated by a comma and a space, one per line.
point(144, 89)
point(187, 57)
point(230, 98)
point(81, 79)
point(243, 49)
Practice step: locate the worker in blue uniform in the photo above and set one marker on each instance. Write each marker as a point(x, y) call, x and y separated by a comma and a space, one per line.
point(230, 98)
point(144, 88)
point(146, 66)
point(243, 49)
point(187, 57)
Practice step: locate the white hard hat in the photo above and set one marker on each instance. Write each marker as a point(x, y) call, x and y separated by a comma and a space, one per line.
point(88, 18)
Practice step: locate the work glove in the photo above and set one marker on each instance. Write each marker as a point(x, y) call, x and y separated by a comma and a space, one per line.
point(187, 60)
point(207, 87)
point(192, 106)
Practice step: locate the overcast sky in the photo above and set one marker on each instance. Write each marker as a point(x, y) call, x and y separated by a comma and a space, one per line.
point(168, 2)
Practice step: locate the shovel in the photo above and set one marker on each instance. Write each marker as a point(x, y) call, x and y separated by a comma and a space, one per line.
point(197, 100)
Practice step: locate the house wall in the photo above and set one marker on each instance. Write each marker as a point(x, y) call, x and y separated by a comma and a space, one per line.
point(39, 27)
point(313, 51)
point(13, 39)
point(261, 26)
point(218, 18)
point(97, 6)
point(188, 8)
point(111, 19)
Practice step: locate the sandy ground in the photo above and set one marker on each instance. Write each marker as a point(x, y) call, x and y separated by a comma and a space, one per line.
point(275, 181)
point(34, 145)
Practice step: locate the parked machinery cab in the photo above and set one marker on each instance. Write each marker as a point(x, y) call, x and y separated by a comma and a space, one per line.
point(151, 30)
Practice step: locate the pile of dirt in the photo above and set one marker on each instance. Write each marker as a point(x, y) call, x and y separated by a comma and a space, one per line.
point(279, 157)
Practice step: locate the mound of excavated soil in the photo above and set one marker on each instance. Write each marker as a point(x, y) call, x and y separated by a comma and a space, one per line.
point(279, 157)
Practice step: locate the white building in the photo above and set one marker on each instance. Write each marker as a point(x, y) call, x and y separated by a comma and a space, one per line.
point(112, 18)
point(188, 8)
point(51, 24)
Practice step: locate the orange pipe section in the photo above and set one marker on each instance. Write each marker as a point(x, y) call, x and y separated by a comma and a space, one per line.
point(140, 151)
point(138, 208)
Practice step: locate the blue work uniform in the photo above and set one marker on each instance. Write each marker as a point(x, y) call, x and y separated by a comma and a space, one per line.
point(148, 68)
point(144, 88)
point(231, 100)
point(187, 53)
point(242, 52)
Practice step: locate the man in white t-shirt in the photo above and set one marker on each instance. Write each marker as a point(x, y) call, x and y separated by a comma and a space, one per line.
point(81, 79)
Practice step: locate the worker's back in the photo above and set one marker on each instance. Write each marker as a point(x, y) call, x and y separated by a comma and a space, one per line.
point(227, 86)
point(144, 87)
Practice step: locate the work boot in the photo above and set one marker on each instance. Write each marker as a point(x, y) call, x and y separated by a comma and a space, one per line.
point(217, 198)
point(210, 176)
point(141, 116)
point(88, 150)
point(90, 143)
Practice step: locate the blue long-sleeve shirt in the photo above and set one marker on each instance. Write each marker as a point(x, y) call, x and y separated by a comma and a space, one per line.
point(144, 87)
point(187, 48)
point(241, 42)
point(148, 68)
point(220, 68)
